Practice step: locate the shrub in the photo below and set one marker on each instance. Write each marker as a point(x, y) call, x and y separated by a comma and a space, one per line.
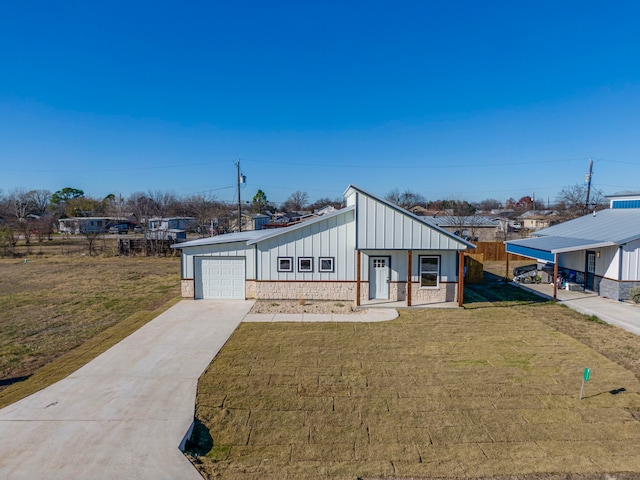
point(634, 294)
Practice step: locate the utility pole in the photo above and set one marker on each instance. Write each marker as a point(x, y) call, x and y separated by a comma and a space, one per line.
point(588, 180)
point(241, 180)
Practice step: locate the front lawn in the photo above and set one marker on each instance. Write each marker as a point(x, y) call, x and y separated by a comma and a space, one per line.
point(490, 390)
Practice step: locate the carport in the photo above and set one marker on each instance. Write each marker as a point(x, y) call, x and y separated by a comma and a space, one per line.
point(548, 249)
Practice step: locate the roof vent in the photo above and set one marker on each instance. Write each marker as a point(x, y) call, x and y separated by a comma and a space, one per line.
point(594, 213)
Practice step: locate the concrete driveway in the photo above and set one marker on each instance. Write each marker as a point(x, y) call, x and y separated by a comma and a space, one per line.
point(622, 314)
point(123, 415)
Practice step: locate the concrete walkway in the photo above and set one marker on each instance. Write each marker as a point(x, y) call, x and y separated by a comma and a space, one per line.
point(125, 414)
point(622, 314)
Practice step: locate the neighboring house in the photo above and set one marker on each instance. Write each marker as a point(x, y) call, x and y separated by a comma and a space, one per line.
point(600, 251)
point(537, 219)
point(78, 225)
point(369, 251)
point(172, 228)
point(473, 227)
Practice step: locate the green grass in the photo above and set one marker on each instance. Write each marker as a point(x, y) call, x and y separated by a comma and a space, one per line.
point(482, 392)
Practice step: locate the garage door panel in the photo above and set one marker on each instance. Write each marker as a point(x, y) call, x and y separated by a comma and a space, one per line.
point(220, 277)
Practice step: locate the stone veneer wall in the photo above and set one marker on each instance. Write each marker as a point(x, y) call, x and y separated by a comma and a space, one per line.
point(446, 292)
point(307, 290)
point(187, 287)
point(616, 290)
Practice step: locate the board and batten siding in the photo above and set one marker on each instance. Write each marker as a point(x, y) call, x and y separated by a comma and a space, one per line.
point(333, 237)
point(631, 261)
point(235, 249)
point(383, 227)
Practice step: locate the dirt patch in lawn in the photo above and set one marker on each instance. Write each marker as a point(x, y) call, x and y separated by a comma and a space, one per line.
point(302, 306)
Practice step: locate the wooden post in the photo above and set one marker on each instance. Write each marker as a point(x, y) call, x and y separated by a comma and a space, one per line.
point(460, 278)
point(409, 274)
point(506, 273)
point(555, 277)
point(358, 264)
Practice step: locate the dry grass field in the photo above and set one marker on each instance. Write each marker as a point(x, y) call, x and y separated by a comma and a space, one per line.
point(490, 391)
point(59, 311)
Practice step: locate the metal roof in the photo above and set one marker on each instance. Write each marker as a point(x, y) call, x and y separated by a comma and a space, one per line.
point(460, 221)
point(618, 226)
point(255, 236)
point(556, 244)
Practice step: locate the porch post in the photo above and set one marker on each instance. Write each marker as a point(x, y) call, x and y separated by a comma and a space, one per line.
point(555, 277)
point(506, 273)
point(460, 278)
point(358, 268)
point(409, 257)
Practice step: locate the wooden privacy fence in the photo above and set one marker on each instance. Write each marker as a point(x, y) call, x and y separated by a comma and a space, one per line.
point(474, 268)
point(494, 251)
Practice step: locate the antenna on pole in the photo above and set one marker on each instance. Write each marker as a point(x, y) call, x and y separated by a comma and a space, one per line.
point(587, 179)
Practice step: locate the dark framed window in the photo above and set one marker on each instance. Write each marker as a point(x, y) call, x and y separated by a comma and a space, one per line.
point(429, 272)
point(325, 264)
point(305, 264)
point(285, 264)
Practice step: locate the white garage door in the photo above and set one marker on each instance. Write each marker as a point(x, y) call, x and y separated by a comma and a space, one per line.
point(219, 277)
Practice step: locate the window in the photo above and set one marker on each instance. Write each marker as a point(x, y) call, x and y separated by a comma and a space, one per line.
point(305, 264)
point(325, 264)
point(285, 264)
point(429, 272)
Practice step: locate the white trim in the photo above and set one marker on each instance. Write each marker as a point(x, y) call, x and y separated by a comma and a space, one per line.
point(421, 272)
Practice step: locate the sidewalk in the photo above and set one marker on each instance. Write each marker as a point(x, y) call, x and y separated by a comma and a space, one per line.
point(622, 314)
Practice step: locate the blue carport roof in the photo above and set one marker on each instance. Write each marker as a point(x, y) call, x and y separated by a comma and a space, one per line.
point(545, 248)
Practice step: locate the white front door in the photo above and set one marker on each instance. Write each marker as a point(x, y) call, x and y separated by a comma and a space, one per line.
point(379, 278)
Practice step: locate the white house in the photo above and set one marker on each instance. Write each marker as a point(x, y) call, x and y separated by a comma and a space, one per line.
point(600, 251)
point(369, 251)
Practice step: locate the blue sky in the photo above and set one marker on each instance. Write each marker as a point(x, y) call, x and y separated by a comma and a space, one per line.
point(450, 99)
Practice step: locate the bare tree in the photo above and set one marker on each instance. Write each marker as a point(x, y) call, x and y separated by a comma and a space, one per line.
point(166, 203)
point(296, 201)
point(206, 211)
point(571, 200)
point(406, 200)
point(41, 200)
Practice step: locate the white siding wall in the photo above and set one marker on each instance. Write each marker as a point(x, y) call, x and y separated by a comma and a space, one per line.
point(236, 249)
point(383, 227)
point(631, 261)
point(333, 237)
point(606, 264)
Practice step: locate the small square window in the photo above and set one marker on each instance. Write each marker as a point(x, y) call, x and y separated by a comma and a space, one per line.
point(325, 264)
point(305, 264)
point(285, 264)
